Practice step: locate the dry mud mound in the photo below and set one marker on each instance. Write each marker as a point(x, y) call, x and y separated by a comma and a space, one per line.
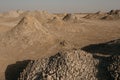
point(99, 12)
point(114, 67)
point(67, 65)
point(70, 17)
point(41, 16)
point(55, 21)
point(26, 33)
point(97, 15)
point(113, 12)
point(20, 11)
point(112, 15)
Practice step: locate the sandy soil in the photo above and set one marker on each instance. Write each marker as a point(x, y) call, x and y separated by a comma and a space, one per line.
point(47, 39)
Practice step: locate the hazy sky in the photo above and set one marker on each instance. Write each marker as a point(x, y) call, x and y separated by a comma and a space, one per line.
point(60, 5)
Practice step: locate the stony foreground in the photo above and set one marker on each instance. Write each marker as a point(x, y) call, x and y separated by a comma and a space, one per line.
point(73, 65)
point(70, 65)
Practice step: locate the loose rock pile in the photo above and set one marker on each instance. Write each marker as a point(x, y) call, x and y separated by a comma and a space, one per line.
point(75, 65)
point(69, 65)
point(114, 67)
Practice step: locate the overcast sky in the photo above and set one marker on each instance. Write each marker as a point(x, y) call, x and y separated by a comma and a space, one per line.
point(60, 5)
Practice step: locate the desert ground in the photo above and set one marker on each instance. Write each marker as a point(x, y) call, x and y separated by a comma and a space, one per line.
point(33, 35)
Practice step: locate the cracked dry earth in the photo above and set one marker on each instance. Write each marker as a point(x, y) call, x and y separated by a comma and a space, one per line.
point(72, 65)
point(114, 67)
point(67, 65)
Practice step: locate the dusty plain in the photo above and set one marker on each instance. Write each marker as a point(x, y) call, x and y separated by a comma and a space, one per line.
point(30, 35)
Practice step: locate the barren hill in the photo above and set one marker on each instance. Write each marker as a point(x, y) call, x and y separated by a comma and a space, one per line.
point(111, 15)
point(41, 16)
point(67, 65)
point(26, 32)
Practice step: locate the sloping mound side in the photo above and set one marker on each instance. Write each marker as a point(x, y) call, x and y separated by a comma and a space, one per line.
point(69, 65)
point(28, 25)
point(112, 15)
point(27, 32)
point(99, 12)
point(97, 15)
point(114, 12)
point(41, 16)
point(55, 21)
point(69, 17)
point(108, 17)
point(114, 67)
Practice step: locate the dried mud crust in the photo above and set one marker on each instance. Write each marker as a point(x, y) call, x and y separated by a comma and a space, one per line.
point(114, 67)
point(69, 65)
point(111, 15)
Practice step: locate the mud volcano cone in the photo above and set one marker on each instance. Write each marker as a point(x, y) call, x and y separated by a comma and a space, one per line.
point(68, 65)
point(27, 32)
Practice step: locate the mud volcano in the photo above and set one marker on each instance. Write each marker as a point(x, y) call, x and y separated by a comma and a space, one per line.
point(67, 65)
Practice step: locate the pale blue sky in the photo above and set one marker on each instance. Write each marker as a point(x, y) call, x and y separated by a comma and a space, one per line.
point(60, 5)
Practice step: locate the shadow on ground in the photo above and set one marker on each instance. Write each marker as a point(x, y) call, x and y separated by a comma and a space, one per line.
point(13, 71)
point(110, 48)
